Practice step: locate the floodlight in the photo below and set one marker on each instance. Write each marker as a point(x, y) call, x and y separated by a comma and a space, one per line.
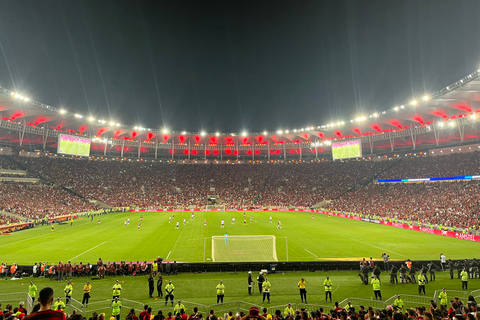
point(265, 133)
point(244, 133)
point(112, 123)
point(203, 133)
point(217, 134)
point(286, 131)
point(279, 132)
point(426, 98)
point(183, 132)
point(27, 99)
point(62, 111)
point(165, 131)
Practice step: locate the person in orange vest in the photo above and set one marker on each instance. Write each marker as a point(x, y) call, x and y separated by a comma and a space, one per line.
point(2, 268)
point(51, 271)
point(13, 269)
point(42, 270)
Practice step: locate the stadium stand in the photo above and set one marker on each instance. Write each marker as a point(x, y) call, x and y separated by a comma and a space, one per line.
point(350, 184)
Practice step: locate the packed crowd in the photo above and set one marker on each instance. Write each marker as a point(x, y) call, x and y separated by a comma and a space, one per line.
point(448, 203)
point(37, 201)
point(170, 185)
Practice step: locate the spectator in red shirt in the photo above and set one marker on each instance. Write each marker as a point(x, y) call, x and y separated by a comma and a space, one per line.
point(45, 298)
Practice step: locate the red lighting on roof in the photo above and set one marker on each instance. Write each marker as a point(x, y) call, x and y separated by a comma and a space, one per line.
point(41, 119)
point(165, 138)
point(229, 139)
point(207, 152)
point(463, 107)
point(194, 152)
point(134, 134)
point(419, 119)
point(259, 139)
point(338, 133)
point(249, 152)
point(304, 136)
point(181, 138)
point(185, 151)
point(228, 151)
point(82, 128)
point(236, 152)
point(357, 130)
point(439, 113)
point(215, 152)
point(17, 115)
point(375, 126)
point(150, 135)
point(197, 139)
point(117, 133)
point(257, 151)
point(395, 123)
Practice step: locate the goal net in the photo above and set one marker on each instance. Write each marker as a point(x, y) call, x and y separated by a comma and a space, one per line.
point(244, 248)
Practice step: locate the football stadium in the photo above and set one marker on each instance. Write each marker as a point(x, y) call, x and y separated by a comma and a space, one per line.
point(371, 215)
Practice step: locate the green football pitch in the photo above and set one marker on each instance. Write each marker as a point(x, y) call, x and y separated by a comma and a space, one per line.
point(324, 238)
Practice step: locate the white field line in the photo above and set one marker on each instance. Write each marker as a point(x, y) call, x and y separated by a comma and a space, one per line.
point(312, 253)
point(81, 254)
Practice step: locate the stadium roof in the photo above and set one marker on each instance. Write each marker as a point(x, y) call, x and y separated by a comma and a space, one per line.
point(446, 116)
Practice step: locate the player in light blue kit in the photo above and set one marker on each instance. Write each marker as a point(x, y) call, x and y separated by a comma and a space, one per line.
point(226, 238)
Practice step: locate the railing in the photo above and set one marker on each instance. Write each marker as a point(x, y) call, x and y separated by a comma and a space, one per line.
point(315, 307)
point(356, 302)
point(411, 301)
point(462, 295)
point(15, 298)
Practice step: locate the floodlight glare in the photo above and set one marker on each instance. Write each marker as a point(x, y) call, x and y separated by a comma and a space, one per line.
point(165, 131)
point(78, 116)
point(473, 116)
point(203, 133)
point(27, 99)
point(426, 98)
point(244, 133)
point(62, 111)
point(112, 123)
point(286, 131)
point(12, 93)
point(217, 134)
point(265, 133)
point(279, 132)
point(184, 132)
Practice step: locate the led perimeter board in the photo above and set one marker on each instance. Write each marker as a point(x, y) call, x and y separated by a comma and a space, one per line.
point(347, 149)
point(73, 145)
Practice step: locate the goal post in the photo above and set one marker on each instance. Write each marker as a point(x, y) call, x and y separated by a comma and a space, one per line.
point(244, 248)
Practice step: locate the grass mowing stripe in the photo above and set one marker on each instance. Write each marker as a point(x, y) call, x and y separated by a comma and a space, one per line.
point(371, 245)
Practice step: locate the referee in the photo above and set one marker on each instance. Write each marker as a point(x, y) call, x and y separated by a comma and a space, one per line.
point(303, 291)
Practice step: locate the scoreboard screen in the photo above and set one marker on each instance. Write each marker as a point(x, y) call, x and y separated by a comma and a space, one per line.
point(73, 145)
point(347, 150)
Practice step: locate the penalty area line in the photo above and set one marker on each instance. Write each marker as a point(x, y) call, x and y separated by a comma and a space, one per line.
point(384, 250)
point(81, 254)
point(312, 253)
point(168, 255)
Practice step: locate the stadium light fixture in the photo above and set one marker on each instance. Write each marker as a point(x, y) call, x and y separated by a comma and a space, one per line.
point(79, 116)
point(413, 103)
point(426, 98)
point(452, 124)
point(203, 133)
point(118, 124)
point(27, 99)
point(441, 124)
point(62, 111)
point(17, 95)
point(279, 132)
point(473, 116)
point(286, 131)
point(12, 93)
point(244, 134)
point(103, 121)
point(217, 134)
point(165, 131)
point(265, 133)
point(375, 115)
point(112, 123)
point(184, 132)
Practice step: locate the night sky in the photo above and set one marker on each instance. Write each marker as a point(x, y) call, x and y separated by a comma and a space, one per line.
point(231, 66)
